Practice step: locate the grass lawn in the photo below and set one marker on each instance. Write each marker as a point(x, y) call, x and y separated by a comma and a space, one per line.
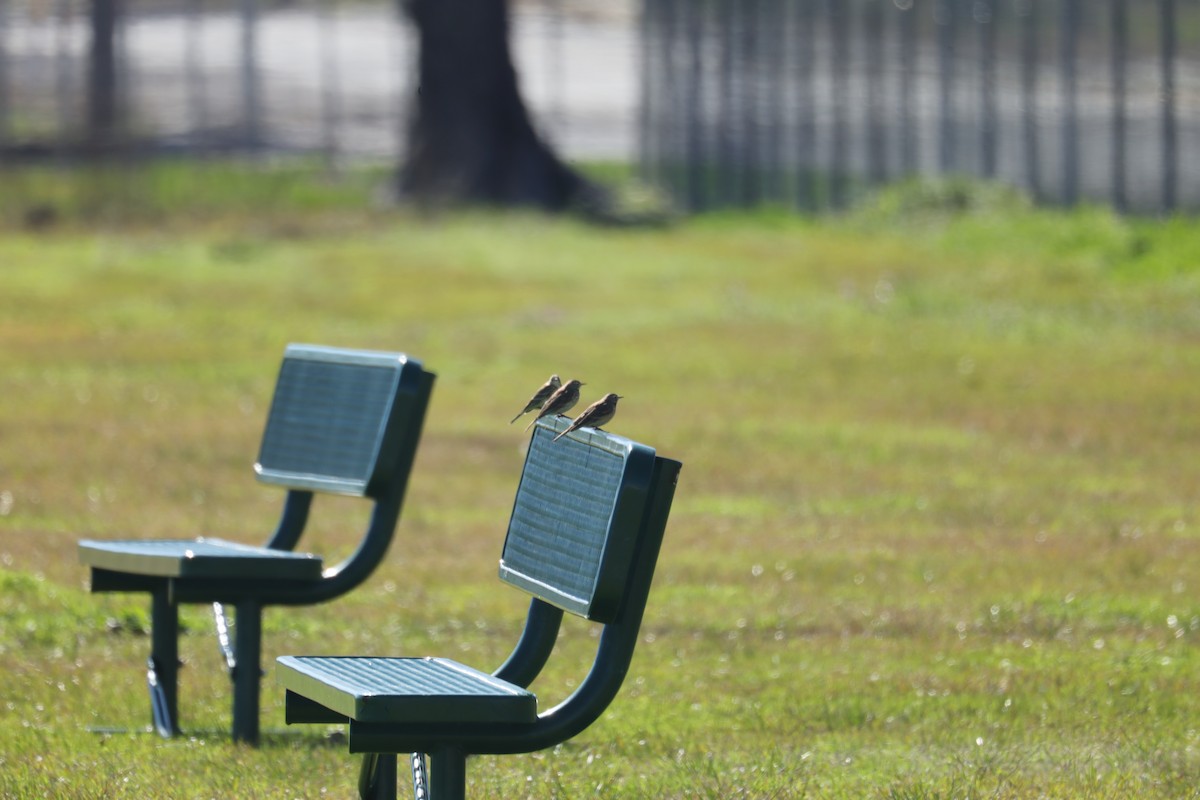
point(937, 533)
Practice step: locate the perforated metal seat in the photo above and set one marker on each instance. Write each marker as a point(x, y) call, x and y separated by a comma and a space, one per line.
point(410, 690)
point(202, 558)
point(341, 421)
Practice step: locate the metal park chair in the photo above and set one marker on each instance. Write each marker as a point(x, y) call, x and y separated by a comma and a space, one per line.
point(583, 538)
point(342, 422)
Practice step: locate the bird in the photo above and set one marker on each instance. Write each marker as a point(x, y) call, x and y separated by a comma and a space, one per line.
point(562, 401)
point(539, 397)
point(597, 414)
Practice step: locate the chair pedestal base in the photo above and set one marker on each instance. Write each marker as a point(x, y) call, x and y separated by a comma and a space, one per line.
point(162, 671)
point(247, 671)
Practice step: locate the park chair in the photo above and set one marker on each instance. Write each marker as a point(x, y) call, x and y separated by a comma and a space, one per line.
point(583, 538)
point(341, 422)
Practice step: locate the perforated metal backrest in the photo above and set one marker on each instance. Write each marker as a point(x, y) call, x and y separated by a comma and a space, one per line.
point(576, 519)
point(337, 419)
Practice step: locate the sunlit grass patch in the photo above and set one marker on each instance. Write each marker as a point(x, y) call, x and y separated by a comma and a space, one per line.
point(935, 534)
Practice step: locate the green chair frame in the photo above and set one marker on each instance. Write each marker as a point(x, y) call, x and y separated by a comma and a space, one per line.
point(342, 422)
point(584, 538)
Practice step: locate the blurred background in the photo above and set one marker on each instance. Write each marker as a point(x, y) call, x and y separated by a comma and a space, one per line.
point(273, 78)
point(800, 103)
point(937, 529)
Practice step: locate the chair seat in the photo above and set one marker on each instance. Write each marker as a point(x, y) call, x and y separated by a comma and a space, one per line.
point(406, 690)
point(199, 558)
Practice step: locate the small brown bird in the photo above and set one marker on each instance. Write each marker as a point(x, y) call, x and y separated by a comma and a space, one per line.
point(597, 414)
point(539, 397)
point(562, 401)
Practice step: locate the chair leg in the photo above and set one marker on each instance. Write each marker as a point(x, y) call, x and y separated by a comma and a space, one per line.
point(377, 778)
point(247, 674)
point(162, 674)
point(447, 775)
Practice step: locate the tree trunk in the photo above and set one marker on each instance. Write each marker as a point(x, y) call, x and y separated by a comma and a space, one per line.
point(471, 139)
point(102, 75)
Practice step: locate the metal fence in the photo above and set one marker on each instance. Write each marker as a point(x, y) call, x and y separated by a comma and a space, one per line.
point(807, 103)
point(327, 77)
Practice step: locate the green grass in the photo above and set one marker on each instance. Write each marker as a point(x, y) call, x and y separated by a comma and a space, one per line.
point(936, 534)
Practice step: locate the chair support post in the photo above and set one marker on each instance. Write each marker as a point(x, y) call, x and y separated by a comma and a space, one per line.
point(533, 649)
point(292, 521)
point(247, 674)
point(163, 670)
point(447, 774)
point(377, 778)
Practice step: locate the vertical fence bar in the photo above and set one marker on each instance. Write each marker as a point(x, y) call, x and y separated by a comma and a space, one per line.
point(876, 137)
point(673, 133)
point(1170, 141)
point(661, 120)
point(1069, 35)
point(947, 27)
point(664, 124)
point(669, 106)
point(697, 171)
point(986, 21)
point(839, 38)
point(650, 94)
point(194, 71)
point(646, 100)
point(330, 80)
point(908, 73)
point(4, 90)
point(726, 144)
point(403, 58)
point(1120, 57)
point(774, 33)
point(731, 109)
point(1029, 96)
point(806, 128)
point(251, 95)
point(62, 73)
point(751, 161)
point(556, 33)
point(127, 79)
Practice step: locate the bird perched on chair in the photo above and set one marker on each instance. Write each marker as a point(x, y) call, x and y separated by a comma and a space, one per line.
point(562, 401)
point(539, 397)
point(597, 414)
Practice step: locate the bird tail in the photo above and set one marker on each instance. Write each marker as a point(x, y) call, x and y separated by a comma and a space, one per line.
point(530, 425)
point(517, 417)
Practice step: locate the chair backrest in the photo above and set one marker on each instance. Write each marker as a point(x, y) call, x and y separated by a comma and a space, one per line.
point(576, 519)
point(337, 419)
